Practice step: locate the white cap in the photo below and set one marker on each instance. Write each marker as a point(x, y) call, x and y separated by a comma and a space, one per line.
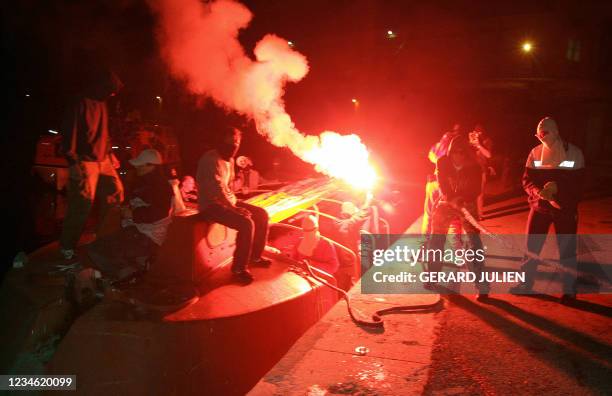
point(148, 156)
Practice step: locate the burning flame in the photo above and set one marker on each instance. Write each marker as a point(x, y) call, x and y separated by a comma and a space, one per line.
point(343, 157)
point(199, 42)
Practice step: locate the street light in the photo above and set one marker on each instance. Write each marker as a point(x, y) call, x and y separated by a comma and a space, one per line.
point(527, 47)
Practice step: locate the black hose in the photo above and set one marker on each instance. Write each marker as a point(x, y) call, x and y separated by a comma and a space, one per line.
point(376, 320)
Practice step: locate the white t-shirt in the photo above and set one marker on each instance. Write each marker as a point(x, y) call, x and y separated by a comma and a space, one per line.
point(574, 159)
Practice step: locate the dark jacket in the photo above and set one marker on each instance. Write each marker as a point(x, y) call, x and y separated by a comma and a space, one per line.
point(154, 189)
point(464, 183)
point(85, 131)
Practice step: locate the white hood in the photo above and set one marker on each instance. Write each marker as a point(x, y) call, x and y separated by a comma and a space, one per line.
point(553, 151)
point(310, 227)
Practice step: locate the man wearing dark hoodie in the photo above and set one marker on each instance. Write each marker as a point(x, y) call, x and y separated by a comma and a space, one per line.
point(459, 179)
point(87, 148)
point(553, 180)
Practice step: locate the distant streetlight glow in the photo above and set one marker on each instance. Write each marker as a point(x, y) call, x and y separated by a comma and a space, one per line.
point(527, 46)
point(391, 34)
point(53, 131)
point(355, 101)
point(290, 44)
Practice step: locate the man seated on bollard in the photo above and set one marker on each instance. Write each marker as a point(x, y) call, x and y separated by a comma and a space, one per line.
point(218, 204)
point(459, 178)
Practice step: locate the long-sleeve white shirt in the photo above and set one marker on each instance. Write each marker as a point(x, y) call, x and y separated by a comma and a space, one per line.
point(214, 178)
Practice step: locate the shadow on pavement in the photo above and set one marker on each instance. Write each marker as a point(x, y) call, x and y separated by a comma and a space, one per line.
point(582, 305)
point(498, 214)
point(587, 359)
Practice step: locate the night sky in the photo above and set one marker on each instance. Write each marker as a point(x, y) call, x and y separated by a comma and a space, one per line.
point(448, 61)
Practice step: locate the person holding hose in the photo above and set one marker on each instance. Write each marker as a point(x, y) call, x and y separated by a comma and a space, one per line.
point(459, 178)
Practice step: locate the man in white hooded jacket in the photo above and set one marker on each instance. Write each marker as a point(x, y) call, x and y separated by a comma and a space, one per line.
point(553, 178)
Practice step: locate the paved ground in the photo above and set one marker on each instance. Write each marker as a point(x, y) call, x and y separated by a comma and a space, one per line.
point(327, 358)
point(526, 345)
point(511, 345)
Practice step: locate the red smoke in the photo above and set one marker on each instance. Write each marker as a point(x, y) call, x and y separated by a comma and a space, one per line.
point(199, 42)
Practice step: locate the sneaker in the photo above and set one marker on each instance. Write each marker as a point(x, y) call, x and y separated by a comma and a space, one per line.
point(261, 262)
point(521, 288)
point(67, 254)
point(243, 276)
point(20, 260)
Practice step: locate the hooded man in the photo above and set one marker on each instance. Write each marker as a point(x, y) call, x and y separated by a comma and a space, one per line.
point(86, 145)
point(321, 252)
point(459, 180)
point(217, 203)
point(310, 245)
point(553, 179)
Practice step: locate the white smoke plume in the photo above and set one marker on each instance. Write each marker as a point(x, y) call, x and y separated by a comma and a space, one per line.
point(199, 42)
